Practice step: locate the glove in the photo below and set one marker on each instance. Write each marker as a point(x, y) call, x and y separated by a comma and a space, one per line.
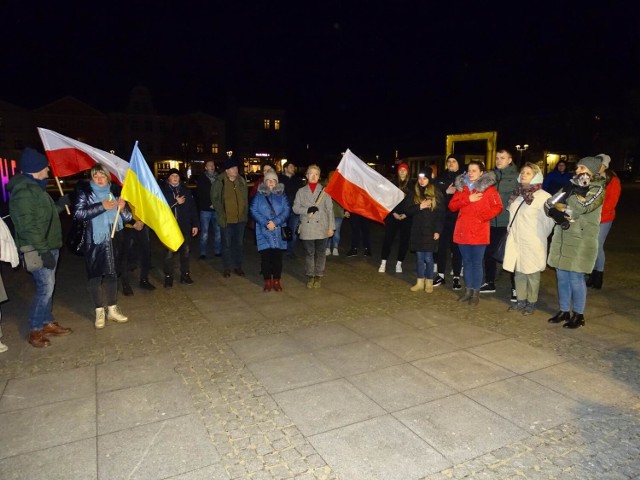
point(48, 260)
point(63, 201)
point(312, 209)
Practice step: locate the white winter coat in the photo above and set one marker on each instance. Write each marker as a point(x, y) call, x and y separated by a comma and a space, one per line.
point(526, 247)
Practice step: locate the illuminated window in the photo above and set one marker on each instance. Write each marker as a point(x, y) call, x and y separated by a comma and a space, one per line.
point(267, 123)
point(214, 148)
point(276, 124)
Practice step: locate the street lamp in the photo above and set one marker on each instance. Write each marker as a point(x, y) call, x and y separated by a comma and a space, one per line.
point(522, 149)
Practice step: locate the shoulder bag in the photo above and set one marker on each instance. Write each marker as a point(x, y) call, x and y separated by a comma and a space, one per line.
point(498, 253)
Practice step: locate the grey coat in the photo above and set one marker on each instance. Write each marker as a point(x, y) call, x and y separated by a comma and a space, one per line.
point(316, 226)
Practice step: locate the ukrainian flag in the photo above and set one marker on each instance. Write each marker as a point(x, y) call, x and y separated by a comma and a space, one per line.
point(142, 191)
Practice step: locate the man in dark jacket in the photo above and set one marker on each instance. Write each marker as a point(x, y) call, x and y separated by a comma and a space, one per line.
point(446, 247)
point(207, 212)
point(292, 184)
point(38, 238)
point(506, 180)
point(181, 202)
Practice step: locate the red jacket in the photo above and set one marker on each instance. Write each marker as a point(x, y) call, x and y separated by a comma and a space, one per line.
point(611, 197)
point(472, 226)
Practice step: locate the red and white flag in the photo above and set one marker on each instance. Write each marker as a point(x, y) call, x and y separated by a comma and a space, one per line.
point(68, 156)
point(360, 189)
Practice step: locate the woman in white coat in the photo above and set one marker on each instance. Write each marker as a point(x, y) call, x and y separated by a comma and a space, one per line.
point(526, 247)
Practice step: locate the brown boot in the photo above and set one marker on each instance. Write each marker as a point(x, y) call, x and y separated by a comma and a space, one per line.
point(276, 285)
point(268, 284)
point(38, 340)
point(54, 329)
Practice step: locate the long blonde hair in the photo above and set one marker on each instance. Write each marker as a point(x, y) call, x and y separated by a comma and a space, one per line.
point(428, 194)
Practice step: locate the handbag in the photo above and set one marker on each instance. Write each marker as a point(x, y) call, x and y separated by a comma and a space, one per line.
point(285, 231)
point(75, 237)
point(498, 253)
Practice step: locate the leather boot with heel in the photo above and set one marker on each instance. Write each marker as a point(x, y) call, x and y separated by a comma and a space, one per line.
point(577, 320)
point(268, 285)
point(475, 297)
point(467, 295)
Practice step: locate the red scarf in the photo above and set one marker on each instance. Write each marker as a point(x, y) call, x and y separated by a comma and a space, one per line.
point(313, 186)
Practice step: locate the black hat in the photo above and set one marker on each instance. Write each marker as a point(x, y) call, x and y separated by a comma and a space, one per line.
point(32, 161)
point(172, 171)
point(425, 172)
point(230, 163)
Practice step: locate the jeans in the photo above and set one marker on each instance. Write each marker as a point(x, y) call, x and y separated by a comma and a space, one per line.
point(135, 247)
point(184, 251)
point(572, 289)
point(334, 241)
point(602, 236)
point(424, 265)
point(207, 221)
point(104, 290)
point(448, 249)
point(393, 227)
point(360, 231)
point(490, 265)
point(315, 257)
point(292, 222)
point(472, 259)
point(40, 312)
point(232, 244)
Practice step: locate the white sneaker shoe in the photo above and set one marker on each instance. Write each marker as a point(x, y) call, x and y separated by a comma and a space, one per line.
point(100, 317)
point(327, 252)
point(383, 266)
point(3, 347)
point(335, 252)
point(399, 267)
point(114, 313)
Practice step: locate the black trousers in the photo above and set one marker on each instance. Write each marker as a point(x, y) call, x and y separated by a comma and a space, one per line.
point(136, 248)
point(392, 228)
point(271, 263)
point(360, 231)
point(448, 249)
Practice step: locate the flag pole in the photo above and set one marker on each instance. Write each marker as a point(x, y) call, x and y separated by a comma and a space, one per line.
point(115, 223)
point(66, 207)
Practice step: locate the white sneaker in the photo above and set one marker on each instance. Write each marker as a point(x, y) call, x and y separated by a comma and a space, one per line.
point(399, 267)
point(383, 266)
point(335, 252)
point(3, 347)
point(327, 252)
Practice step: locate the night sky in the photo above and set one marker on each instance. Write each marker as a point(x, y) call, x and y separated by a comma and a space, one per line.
point(380, 75)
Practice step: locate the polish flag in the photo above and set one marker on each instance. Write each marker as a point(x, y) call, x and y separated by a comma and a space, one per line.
point(362, 190)
point(68, 156)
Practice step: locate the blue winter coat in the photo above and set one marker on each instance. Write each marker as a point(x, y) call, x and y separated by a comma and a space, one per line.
point(263, 212)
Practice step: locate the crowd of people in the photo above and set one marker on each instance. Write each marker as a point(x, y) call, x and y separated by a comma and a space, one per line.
point(477, 220)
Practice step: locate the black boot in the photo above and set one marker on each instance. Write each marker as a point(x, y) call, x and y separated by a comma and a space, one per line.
point(589, 280)
point(596, 279)
point(559, 317)
point(577, 320)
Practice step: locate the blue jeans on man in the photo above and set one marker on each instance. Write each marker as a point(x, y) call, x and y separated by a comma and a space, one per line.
point(208, 221)
point(40, 312)
point(232, 245)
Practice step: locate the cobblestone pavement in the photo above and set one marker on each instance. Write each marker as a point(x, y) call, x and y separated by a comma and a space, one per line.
point(207, 331)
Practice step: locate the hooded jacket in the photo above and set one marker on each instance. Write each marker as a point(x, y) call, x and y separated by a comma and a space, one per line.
point(576, 249)
point(34, 215)
point(472, 227)
point(270, 205)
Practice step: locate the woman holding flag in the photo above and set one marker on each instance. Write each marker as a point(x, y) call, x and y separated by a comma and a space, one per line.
point(98, 206)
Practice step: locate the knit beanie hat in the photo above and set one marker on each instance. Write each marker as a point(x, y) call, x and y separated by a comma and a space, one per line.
point(606, 159)
point(230, 163)
point(425, 172)
point(32, 161)
point(271, 175)
point(403, 165)
point(172, 171)
point(592, 164)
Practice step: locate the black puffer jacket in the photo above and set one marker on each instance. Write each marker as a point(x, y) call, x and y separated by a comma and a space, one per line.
point(101, 258)
point(443, 181)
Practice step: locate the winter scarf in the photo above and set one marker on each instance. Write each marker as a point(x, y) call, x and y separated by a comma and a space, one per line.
point(103, 223)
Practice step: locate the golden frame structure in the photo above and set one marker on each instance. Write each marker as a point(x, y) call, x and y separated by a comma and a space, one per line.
point(490, 137)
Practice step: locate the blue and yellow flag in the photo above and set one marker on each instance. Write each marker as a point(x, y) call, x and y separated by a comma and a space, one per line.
point(143, 193)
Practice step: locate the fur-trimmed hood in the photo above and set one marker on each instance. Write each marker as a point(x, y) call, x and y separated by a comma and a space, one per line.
point(485, 181)
point(277, 190)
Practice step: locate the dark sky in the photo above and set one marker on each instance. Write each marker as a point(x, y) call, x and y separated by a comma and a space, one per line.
point(361, 74)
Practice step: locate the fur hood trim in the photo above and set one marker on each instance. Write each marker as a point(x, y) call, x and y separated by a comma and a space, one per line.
point(486, 180)
point(277, 190)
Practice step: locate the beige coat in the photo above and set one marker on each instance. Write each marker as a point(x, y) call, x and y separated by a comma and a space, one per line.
point(526, 247)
